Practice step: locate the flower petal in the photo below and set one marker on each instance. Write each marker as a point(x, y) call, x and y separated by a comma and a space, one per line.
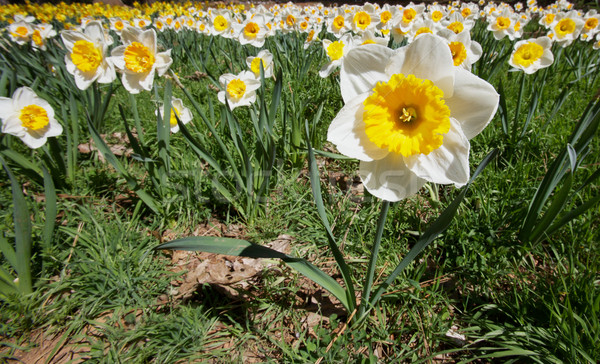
point(389, 178)
point(347, 132)
point(446, 164)
point(474, 102)
point(13, 126)
point(6, 108)
point(428, 57)
point(362, 68)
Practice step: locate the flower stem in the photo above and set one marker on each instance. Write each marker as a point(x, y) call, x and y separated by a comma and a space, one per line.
point(374, 253)
point(518, 109)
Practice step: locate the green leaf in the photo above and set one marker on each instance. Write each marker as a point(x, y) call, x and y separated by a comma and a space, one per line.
point(315, 183)
point(22, 233)
point(433, 231)
point(8, 251)
point(112, 159)
point(50, 193)
point(243, 248)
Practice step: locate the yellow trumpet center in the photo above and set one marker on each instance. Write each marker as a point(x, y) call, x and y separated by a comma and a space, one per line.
point(362, 20)
point(459, 52)
point(173, 117)
point(34, 117)
point(338, 22)
point(422, 30)
point(251, 30)
point(236, 89)
point(456, 27)
point(591, 23)
point(385, 16)
point(408, 15)
point(86, 56)
point(502, 22)
point(335, 50)
point(564, 27)
point(36, 37)
point(406, 115)
point(138, 58)
point(437, 16)
point(290, 20)
point(21, 31)
point(255, 65)
point(527, 54)
point(220, 23)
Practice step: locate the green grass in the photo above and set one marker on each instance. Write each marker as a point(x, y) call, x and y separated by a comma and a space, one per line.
point(105, 288)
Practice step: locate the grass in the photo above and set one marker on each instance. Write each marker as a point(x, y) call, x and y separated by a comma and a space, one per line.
point(105, 292)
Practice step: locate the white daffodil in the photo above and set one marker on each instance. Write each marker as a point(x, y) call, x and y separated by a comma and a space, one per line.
point(220, 24)
point(139, 60)
point(464, 51)
point(409, 115)
point(20, 32)
point(365, 19)
point(41, 33)
point(502, 24)
point(266, 58)
point(28, 117)
point(335, 51)
point(532, 54)
point(177, 108)
point(86, 56)
point(338, 24)
point(117, 24)
point(253, 31)
point(238, 90)
point(566, 28)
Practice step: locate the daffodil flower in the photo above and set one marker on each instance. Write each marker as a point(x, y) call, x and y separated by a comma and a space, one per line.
point(86, 56)
point(177, 111)
point(238, 90)
point(464, 51)
point(263, 57)
point(139, 60)
point(20, 32)
point(335, 51)
point(28, 117)
point(566, 28)
point(532, 54)
point(408, 116)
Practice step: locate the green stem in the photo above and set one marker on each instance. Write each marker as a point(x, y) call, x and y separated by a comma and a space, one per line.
point(366, 295)
point(518, 109)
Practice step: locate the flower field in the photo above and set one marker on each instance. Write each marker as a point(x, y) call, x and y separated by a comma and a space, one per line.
point(314, 183)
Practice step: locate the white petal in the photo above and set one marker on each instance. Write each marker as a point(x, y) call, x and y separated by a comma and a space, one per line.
point(130, 35)
point(163, 62)
point(328, 68)
point(95, 32)
point(474, 102)
point(148, 38)
point(69, 37)
point(389, 179)
point(13, 126)
point(83, 80)
point(55, 129)
point(447, 164)
point(362, 68)
point(34, 142)
point(6, 108)
point(347, 132)
point(221, 97)
point(428, 57)
point(107, 74)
